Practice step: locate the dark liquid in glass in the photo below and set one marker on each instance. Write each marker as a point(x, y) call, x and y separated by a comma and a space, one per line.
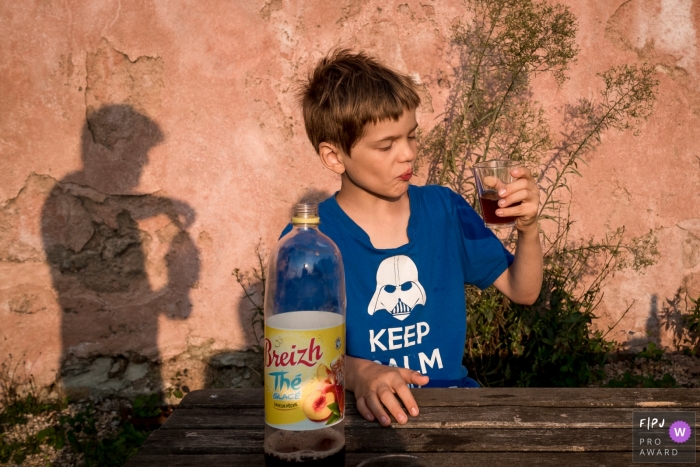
point(489, 204)
point(334, 460)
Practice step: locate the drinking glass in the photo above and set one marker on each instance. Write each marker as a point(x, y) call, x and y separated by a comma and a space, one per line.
point(489, 176)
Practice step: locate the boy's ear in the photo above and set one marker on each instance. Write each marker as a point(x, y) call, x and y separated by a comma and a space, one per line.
point(332, 157)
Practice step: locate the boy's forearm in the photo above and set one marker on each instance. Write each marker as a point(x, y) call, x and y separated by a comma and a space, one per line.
point(355, 368)
point(352, 366)
point(525, 273)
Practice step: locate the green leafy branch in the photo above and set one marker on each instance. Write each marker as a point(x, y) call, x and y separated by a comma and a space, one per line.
point(253, 285)
point(491, 114)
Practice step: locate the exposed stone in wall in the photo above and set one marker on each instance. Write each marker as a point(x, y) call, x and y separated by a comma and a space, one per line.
point(128, 375)
point(662, 33)
point(20, 239)
point(691, 257)
point(112, 78)
point(26, 299)
point(98, 241)
point(271, 6)
point(691, 244)
point(656, 26)
point(235, 369)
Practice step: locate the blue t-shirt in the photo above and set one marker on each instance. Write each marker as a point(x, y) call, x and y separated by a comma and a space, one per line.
point(406, 306)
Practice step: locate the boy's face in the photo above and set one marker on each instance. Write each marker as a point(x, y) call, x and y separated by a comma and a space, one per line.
point(382, 160)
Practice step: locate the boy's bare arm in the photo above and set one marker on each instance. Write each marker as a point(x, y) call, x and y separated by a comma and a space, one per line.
point(379, 388)
point(522, 281)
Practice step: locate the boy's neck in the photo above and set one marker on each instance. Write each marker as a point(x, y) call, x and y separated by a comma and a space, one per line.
point(385, 220)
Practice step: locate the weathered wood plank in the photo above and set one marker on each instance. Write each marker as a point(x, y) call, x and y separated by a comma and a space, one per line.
point(500, 459)
point(533, 426)
point(378, 439)
point(560, 397)
point(430, 417)
point(485, 397)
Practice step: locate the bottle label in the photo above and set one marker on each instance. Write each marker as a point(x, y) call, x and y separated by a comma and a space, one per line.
point(304, 370)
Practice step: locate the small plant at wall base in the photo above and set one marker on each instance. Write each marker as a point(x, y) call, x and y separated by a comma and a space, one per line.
point(691, 323)
point(684, 327)
point(177, 388)
point(629, 380)
point(253, 285)
point(490, 115)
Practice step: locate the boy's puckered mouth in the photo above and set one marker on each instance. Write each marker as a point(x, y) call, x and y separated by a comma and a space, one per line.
point(407, 175)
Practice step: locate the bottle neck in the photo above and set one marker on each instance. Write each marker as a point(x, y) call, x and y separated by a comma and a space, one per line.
point(304, 225)
point(305, 216)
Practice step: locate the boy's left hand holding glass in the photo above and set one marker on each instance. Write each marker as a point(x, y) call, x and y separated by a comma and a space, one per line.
point(523, 189)
point(519, 199)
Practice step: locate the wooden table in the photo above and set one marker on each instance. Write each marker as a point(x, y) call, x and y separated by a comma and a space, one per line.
point(457, 427)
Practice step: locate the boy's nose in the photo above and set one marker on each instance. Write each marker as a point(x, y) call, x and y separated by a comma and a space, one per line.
point(408, 153)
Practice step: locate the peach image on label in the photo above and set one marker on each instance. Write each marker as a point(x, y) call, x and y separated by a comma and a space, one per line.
point(321, 403)
point(316, 404)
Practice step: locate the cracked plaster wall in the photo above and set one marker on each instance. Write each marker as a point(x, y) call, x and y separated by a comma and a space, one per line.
point(200, 100)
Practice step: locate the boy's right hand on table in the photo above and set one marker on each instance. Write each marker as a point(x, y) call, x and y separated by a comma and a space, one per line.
point(379, 388)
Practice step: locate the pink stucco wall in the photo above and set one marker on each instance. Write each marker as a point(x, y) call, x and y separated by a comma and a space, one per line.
point(227, 155)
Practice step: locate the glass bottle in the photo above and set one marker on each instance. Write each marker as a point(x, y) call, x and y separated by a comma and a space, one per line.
point(305, 347)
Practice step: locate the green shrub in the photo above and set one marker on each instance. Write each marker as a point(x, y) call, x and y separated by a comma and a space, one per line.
point(490, 115)
point(651, 352)
point(691, 323)
point(629, 380)
point(78, 432)
point(75, 430)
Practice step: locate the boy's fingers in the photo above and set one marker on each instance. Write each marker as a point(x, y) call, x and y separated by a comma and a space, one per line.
point(413, 377)
point(406, 397)
point(521, 172)
point(377, 409)
point(493, 183)
point(522, 211)
point(517, 172)
point(410, 377)
point(388, 398)
point(361, 406)
point(516, 197)
point(518, 185)
point(523, 178)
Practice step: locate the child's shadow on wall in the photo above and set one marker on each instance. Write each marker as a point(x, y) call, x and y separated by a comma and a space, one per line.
point(112, 286)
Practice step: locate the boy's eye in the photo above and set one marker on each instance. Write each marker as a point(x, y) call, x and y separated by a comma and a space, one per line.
point(385, 148)
point(411, 136)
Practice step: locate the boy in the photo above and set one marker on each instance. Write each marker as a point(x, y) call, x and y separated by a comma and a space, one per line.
point(407, 250)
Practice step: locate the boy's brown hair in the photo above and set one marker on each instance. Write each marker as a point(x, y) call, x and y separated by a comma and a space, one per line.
point(347, 91)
